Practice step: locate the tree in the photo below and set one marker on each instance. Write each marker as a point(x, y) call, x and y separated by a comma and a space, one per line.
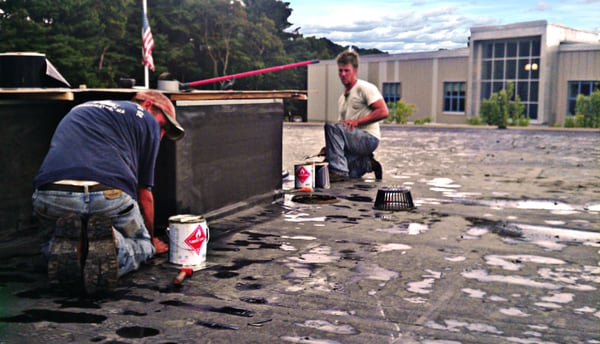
point(76, 36)
point(96, 42)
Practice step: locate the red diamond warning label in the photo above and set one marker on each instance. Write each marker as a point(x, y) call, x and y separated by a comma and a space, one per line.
point(196, 239)
point(302, 174)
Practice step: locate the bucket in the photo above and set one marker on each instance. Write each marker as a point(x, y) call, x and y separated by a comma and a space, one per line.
point(304, 177)
point(168, 85)
point(188, 239)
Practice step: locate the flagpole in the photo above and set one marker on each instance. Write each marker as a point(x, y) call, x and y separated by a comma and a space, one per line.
point(146, 73)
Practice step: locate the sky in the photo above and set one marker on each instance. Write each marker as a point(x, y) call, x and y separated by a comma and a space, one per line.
point(398, 26)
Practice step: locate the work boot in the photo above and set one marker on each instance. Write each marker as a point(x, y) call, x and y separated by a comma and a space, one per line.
point(65, 261)
point(101, 269)
point(335, 177)
point(376, 167)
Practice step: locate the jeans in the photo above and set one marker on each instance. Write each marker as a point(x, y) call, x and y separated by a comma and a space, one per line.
point(134, 245)
point(349, 151)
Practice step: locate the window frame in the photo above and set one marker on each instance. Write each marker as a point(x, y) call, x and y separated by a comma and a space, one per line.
point(391, 91)
point(454, 97)
point(519, 57)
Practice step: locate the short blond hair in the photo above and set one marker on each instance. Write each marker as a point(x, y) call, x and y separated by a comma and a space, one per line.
point(348, 57)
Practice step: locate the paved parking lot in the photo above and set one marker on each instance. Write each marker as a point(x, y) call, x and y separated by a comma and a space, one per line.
point(503, 246)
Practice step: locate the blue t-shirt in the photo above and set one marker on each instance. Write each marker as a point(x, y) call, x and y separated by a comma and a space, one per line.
point(111, 142)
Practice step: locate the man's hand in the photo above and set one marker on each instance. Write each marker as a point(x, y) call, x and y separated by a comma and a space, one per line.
point(350, 124)
point(322, 152)
point(159, 246)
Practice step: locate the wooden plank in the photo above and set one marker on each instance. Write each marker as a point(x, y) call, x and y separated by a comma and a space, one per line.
point(37, 94)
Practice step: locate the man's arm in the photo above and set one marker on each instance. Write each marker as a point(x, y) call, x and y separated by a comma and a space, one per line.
point(146, 201)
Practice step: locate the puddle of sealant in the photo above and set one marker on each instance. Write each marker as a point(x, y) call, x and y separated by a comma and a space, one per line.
point(555, 207)
point(514, 262)
point(326, 326)
point(308, 340)
point(474, 293)
point(456, 259)
point(550, 238)
point(424, 286)
point(585, 309)
point(484, 276)
point(286, 247)
point(548, 305)
point(299, 237)
point(373, 272)
point(318, 255)
point(429, 201)
point(392, 247)
point(480, 294)
point(411, 228)
point(301, 217)
point(570, 276)
point(456, 326)
point(417, 299)
point(337, 312)
point(299, 270)
point(515, 312)
point(475, 233)
point(592, 207)
point(443, 183)
point(559, 298)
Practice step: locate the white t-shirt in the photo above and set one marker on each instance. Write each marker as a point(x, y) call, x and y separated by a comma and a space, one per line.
point(356, 105)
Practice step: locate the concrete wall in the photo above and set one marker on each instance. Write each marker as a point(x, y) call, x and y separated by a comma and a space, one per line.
point(450, 70)
point(575, 63)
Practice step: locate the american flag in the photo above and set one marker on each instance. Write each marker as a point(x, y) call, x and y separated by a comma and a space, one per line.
point(147, 44)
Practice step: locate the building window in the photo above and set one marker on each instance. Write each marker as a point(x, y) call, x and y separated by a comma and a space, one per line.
point(513, 60)
point(585, 87)
point(391, 91)
point(454, 96)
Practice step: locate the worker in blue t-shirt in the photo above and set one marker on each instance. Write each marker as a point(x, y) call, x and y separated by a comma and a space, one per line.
point(93, 193)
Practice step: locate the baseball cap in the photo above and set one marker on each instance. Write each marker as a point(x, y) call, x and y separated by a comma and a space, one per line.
point(174, 131)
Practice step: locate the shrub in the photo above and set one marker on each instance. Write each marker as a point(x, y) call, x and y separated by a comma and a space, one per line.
point(490, 111)
point(423, 120)
point(498, 108)
point(400, 111)
point(587, 112)
point(475, 120)
point(570, 122)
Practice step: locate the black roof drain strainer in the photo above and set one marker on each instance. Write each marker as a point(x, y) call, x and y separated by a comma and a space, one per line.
point(393, 198)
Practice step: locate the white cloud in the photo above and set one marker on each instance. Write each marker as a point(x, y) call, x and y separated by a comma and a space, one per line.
point(427, 25)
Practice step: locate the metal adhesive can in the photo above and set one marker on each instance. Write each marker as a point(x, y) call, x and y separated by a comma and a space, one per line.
point(304, 176)
point(188, 240)
point(322, 175)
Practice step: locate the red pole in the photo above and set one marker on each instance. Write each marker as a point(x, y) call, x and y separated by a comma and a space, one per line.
point(250, 73)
